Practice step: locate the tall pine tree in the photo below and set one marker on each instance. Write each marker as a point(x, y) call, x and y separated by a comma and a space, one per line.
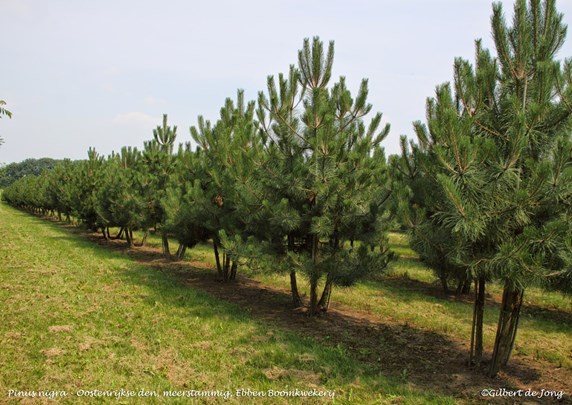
point(497, 150)
point(325, 175)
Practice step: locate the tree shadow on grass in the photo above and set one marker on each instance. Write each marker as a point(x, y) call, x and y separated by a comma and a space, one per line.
point(420, 358)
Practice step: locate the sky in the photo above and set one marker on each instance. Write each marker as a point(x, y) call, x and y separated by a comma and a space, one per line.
point(82, 73)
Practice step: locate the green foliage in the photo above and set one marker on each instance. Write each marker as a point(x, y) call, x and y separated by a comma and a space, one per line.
point(29, 167)
point(219, 197)
point(493, 157)
point(157, 168)
point(323, 177)
point(5, 112)
point(119, 196)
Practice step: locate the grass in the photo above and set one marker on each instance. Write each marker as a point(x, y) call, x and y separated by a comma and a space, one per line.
point(540, 335)
point(410, 293)
point(77, 317)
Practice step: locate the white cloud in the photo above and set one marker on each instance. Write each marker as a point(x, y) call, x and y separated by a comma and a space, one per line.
point(150, 100)
point(137, 118)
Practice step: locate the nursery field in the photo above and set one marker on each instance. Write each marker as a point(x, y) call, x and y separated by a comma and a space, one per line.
point(84, 317)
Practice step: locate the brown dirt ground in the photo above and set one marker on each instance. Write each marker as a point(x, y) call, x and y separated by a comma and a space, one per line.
point(433, 362)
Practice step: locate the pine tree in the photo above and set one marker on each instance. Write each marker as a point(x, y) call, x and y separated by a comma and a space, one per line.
point(84, 185)
point(158, 167)
point(119, 196)
point(497, 151)
point(59, 187)
point(223, 164)
point(178, 203)
point(325, 178)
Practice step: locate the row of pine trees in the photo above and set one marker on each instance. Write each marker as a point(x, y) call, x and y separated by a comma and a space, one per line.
point(298, 182)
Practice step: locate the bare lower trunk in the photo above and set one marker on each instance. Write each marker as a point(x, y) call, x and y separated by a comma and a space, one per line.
point(120, 233)
point(226, 267)
point(296, 299)
point(180, 252)
point(463, 285)
point(144, 239)
point(313, 310)
point(476, 354)
point(165, 246)
point(233, 270)
point(129, 237)
point(324, 303)
point(507, 328)
point(217, 259)
point(314, 278)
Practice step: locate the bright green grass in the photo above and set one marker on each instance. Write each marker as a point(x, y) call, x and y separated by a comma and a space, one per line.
point(548, 339)
point(540, 336)
point(77, 316)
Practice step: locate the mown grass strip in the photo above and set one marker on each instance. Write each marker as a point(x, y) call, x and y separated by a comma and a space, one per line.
point(76, 316)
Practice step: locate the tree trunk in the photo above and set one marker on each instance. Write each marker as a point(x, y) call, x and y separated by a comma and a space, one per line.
point(226, 268)
point(507, 327)
point(314, 278)
point(104, 234)
point(313, 310)
point(233, 270)
point(463, 285)
point(145, 234)
point(476, 354)
point(129, 237)
point(181, 252)
point(513, 327)
point(165, 245)
point(444, 284)
point(120, 233)
point(217, 259)
point(324, 303)
point(296, 299)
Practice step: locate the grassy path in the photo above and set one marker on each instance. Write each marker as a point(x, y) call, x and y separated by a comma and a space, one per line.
point(76, 317)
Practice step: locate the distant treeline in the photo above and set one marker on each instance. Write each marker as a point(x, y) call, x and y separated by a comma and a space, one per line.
point(15, 171)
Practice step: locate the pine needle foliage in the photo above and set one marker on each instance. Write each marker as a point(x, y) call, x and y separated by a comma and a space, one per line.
point(323, 176)
point(496, 151)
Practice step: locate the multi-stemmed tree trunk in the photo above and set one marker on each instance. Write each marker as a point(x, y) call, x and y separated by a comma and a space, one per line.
point(507, 327)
